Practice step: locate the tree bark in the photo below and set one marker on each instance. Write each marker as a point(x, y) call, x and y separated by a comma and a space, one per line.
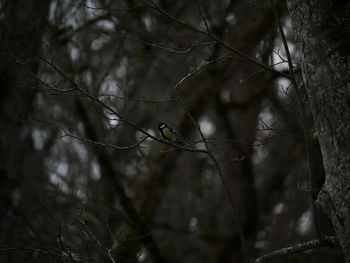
point(322, 30)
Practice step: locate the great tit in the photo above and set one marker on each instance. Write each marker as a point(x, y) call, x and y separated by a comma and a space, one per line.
point(169, 134)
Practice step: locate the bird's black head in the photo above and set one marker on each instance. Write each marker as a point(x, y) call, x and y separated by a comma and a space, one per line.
point(162, 125)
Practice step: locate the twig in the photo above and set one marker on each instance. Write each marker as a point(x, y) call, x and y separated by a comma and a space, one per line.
point(143, 100)
point(60, 240)
point(235, 212)
point(299, 248)
point(105, 144)
point(99, 247)
point(210, 35)
point(41, 251)
point(202, 15)
point(165, 48)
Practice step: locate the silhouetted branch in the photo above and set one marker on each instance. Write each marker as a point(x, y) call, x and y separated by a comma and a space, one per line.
point(298, 248)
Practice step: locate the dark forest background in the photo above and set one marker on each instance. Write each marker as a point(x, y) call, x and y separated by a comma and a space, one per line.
point(84, 174)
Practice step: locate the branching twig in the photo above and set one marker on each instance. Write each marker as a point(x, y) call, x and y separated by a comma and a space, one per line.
point(155, 6)
point(60, 240)
point(235, 212)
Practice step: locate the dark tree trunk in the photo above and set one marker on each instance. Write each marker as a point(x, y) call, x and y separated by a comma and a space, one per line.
point(322, 30)
point(21, 30)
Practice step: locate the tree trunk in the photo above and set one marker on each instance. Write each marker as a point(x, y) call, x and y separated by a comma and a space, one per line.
point(21, 29)
point(322, 29)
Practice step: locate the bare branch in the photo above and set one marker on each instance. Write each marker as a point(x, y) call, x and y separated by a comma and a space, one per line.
point(235, 212)
point(155, 6)
point(299, 248)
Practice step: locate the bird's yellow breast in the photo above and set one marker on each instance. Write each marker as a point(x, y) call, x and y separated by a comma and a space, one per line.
point(169, 134)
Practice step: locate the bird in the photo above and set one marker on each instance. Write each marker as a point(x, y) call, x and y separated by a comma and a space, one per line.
point(169, 134)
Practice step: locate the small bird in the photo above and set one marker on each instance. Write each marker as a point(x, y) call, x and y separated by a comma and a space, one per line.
point(169, 134)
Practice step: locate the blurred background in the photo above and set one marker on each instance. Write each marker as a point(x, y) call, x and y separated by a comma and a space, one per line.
point(84, 84)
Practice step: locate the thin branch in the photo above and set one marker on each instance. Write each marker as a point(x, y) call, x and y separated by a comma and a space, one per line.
point(305, 127)
point(155, 6)
point(104, 144)
point(143, 100)
point(124, 119)
point(67, 33)
point(235, 212)
point(102, 249)
point(299, 248)
point(41, 251)
point(165, 48)
point(60, 240)
point(202, 16)
point(109, 252)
